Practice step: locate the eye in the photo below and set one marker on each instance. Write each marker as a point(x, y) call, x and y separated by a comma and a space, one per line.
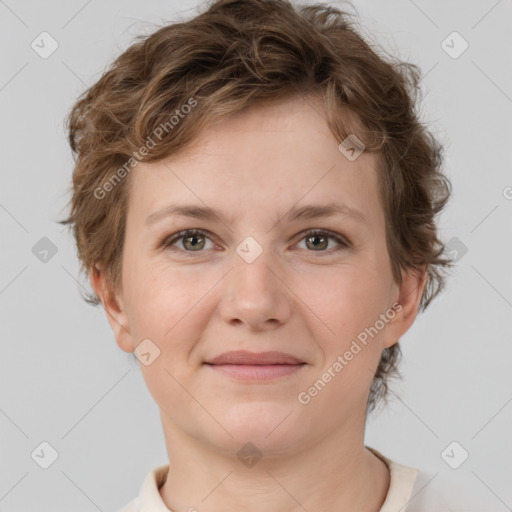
point(318, 240)
point(194, 240)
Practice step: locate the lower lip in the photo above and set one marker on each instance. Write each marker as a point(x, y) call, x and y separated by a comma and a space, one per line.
point(259, 373)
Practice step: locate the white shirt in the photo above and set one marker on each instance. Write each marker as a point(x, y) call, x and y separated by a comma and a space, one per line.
point(408, 491)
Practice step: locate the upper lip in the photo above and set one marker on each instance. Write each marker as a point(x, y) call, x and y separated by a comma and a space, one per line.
point(254, 358)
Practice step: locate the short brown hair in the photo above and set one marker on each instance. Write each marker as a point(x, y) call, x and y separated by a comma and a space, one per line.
point(236, 54)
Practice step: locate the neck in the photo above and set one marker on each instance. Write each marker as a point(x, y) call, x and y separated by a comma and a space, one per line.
point(332, 474)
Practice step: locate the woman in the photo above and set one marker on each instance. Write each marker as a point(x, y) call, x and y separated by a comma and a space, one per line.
point(254, 202)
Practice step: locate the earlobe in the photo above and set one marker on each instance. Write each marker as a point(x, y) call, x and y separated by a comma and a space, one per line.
point(114, 309)
point(410, 292)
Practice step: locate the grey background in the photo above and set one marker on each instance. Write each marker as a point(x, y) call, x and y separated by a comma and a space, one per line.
point(63, 379)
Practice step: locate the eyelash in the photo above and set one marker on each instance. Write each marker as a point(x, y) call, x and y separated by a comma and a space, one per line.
point(167, 242)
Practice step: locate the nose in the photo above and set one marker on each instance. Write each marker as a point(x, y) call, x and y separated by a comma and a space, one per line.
point(255, 293)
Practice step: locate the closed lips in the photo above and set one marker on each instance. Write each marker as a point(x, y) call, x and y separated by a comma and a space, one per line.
point(254, 359)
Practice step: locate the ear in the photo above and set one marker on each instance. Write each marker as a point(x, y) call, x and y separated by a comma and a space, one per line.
point(410, 292)
point(114, 309)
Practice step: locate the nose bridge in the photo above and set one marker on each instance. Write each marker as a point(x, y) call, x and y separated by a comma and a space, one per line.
point(255, 264)
point(254, 292)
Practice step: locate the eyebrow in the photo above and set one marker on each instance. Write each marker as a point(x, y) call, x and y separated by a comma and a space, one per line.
point(294, 214)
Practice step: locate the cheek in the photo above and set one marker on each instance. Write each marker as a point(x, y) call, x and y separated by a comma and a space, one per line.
point(170, 306)
point(351, 308)
point(348, 300)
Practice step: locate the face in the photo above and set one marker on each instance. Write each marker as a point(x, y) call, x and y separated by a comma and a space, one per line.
point(260, 277)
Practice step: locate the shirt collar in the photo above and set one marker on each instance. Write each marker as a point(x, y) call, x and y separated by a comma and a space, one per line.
point(149, 499)
point(401, 484)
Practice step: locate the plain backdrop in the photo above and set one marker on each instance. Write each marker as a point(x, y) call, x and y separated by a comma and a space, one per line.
point(64, 381)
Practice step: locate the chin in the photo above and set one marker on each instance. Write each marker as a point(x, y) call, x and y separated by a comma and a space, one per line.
point(271, 427)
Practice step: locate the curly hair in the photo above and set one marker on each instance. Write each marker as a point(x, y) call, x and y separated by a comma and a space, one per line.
point(229, 57)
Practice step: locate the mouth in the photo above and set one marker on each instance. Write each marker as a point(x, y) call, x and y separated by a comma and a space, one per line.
point(255, 367)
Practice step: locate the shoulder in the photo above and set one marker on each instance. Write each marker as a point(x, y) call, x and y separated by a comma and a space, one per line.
point(425, 496)
point(149, 498)
point(411, 489)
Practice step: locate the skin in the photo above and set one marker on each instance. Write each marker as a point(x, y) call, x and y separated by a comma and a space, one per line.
point(194, 305)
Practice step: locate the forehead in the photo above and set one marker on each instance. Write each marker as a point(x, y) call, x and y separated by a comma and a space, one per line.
point(267, 158)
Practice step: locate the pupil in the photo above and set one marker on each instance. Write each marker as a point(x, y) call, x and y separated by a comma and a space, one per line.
point(194, 243)
point(317, 237)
